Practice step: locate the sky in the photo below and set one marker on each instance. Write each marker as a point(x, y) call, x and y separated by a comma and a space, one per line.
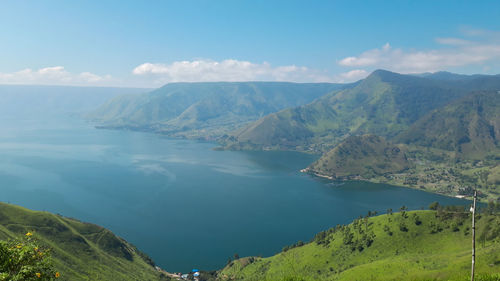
point(151, 43)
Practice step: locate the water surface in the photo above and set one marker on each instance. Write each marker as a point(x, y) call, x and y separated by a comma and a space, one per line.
point(179, 201)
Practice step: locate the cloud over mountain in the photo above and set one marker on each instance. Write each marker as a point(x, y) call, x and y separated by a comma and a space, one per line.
point(55, 75)
point(482, 48)
point(228, 70)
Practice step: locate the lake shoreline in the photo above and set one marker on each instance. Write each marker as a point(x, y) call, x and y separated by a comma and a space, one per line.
point(359, 178)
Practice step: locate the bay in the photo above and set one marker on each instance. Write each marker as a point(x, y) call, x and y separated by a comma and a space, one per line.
point(182, 203)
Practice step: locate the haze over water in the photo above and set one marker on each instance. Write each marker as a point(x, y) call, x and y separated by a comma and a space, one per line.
point(179, 201)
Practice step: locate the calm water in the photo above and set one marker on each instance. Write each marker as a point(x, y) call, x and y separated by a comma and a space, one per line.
point(182, 203)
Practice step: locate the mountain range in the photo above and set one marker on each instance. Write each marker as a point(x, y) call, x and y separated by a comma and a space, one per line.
point(205, 110)
point(37, 100)
point(384, 103)
point(434, 131)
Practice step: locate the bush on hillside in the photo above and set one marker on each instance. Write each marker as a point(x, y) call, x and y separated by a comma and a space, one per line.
point(25, 260)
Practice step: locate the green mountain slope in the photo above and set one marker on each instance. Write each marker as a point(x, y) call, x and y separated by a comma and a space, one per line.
point(451, 150)
point(384, 104)
point(205, 109)
point(469, 126)
point(417, 245)
point(81, 251)
point(361, 157)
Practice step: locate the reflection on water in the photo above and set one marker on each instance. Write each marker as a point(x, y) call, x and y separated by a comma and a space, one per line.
point(179, 201)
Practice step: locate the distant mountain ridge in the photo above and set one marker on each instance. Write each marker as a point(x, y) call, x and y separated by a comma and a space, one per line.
point(384, 103)
point(36, 100)
point(469, 126)
point(205, 110)
point(450, 150)
point(445, 125)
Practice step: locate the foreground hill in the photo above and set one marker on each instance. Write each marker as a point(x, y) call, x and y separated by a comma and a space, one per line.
point(417, 245)
point(206, 110)
point(361, 157)
point(81, 251)
point(383, 104)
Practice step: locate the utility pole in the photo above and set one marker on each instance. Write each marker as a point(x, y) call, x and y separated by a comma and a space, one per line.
point(473, 210)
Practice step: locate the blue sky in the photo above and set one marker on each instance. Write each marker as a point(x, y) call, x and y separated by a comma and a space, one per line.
point(149, 43)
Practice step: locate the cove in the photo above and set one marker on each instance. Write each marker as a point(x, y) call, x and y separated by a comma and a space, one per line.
point(182, 203)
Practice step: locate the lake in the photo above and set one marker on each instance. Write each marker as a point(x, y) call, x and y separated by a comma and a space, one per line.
point(184, 204)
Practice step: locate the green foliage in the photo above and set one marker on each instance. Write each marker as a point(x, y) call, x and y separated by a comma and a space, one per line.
point(434, 206)
point(24, 260)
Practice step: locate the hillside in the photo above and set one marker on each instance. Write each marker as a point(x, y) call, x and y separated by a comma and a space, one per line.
point(361, 157)
point(469, 126)
point(417, 245)
point(451, 150)
point(383, 104)
point(205, 110)
point(81, 251)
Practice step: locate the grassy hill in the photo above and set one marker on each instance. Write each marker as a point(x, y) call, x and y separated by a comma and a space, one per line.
point(451, 150)
point(384, 104)
point(206, 110)
point(469, 126)
point(81, 251)
point(417, 245)
point(361, 157)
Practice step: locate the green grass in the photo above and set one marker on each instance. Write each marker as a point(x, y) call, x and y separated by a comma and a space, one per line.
point(80, 251)
point(365, 156)
point(438, 248)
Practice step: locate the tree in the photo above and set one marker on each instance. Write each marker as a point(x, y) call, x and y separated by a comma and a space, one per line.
point(403, 227)
point(389, 211)
point(434, 206)
point(403, 211)
point(417, 220)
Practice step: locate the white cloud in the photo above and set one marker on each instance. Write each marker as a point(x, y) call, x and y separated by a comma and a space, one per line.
point(453, 41)
point(55, 75)
point(351, 76)
point(456, 52)
point(227, 70)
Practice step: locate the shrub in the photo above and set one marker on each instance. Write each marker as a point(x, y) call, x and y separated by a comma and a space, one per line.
point(434, 206)
point(403, 227)
point(25, 260)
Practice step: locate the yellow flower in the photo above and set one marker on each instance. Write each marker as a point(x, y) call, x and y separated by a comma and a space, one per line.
point(29, 234)
point(58, 275)
point(38, 274)
point(40, 253)
point(36, 249)
point(19, 246)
